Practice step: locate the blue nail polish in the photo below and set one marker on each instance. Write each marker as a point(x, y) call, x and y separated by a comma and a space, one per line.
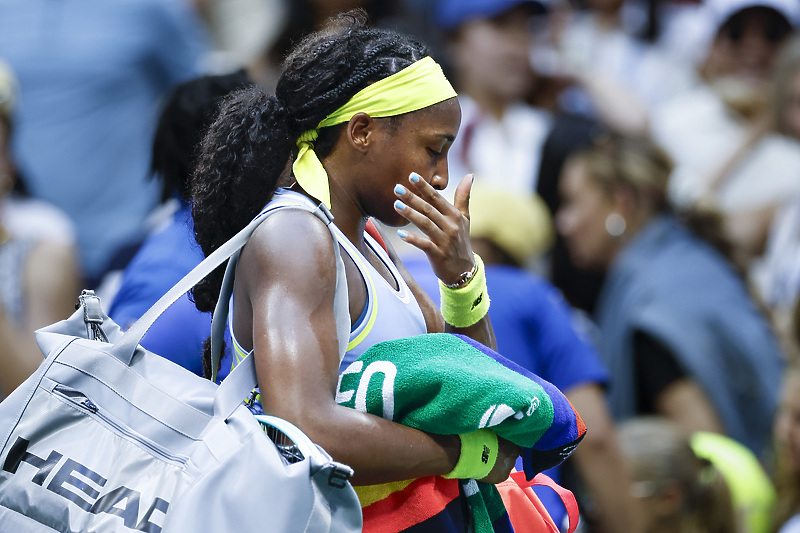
point(399, 189)
point(402, 234)
point(399, 205)
point(414, 177)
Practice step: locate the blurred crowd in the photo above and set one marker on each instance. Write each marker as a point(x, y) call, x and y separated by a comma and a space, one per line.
point(637, 205)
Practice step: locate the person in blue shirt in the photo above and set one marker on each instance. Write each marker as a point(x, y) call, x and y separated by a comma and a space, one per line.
point(536, 328)
point(91, 75)
point(171, 251)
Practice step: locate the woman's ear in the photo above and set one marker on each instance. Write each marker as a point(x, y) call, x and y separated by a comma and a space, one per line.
point(360, 131)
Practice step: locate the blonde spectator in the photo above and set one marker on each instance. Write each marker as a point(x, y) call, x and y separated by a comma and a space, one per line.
point(677, 491)
point(678, 328)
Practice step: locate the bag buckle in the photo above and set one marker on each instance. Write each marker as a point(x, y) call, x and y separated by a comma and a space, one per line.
point(339, 476)
point(93, 315)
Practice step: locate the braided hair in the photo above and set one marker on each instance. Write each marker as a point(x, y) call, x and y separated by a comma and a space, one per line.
point(249, 146)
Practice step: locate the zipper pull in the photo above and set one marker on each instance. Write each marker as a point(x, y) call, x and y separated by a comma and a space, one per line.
point(89, 405)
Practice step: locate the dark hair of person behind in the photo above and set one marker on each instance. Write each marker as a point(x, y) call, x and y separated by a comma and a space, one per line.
point(303, 15)
point(568, 135)
point(252, 140)
point(777, 26)
point(187, 111)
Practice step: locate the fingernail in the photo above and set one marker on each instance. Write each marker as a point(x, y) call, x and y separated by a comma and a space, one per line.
point(399, 189)
point(399, 205)
point(414, 177)
point(402, 234)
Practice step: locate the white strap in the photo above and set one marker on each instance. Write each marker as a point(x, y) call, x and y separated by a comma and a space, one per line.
point(126, 346)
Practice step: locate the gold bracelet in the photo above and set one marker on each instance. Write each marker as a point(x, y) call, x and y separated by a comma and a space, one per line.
point(463, 279)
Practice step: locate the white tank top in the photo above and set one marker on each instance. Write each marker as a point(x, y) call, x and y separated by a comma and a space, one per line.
point(388, 314)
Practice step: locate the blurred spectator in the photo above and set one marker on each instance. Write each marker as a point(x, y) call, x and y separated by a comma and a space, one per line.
point(678, 329)
point(677, 491)
point(776, 274)
point(727, 156)
point(787, 445)
point(570, 133)
point(38, 267)
point(171, 251)
point(501, 136)
point(301, 17)
point(606, 41)
point(90, 75)
point(535, 328)
point(241, 30)
point(681, 29)
point(703, 482)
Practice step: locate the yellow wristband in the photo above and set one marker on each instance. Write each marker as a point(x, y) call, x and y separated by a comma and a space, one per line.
point(478, 455)
point(466, 305)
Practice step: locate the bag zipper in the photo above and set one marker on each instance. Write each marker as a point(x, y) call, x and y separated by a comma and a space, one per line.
point(80, 400)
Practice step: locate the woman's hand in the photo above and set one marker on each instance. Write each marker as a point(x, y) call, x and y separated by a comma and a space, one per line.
point(445, 226)
point(445, 238)
point(506, 458)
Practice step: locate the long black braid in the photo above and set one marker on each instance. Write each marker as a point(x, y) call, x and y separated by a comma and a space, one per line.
point(249, 145)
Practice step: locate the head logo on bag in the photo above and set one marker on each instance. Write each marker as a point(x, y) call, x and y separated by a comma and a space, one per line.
point(120, 501)
point(166, 441)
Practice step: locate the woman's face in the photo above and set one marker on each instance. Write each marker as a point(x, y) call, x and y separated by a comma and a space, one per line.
point(419, 143)
point(747, 45)
point(787, 422)
point(491, 56)
point(581, 218)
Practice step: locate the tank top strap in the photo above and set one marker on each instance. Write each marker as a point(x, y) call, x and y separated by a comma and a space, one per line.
point(281, 199)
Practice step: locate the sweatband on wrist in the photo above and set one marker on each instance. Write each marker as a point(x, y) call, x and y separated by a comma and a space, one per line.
point(465, 306)
point(478, 455)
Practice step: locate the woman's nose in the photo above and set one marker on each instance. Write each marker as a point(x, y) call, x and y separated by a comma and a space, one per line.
point(439, 181)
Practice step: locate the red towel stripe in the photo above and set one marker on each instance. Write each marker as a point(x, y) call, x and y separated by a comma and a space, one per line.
point(419, 501)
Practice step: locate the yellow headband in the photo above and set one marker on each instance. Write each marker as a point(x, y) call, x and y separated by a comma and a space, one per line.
point(419, 85)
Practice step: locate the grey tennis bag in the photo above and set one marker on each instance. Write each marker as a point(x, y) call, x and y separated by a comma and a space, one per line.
point(108, 437)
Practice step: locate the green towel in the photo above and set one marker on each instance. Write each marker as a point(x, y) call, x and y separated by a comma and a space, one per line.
point(450, 384)
point(441, 384)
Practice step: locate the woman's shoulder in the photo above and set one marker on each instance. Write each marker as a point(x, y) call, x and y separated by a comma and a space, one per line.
point(288, 211)
point(292, 236)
